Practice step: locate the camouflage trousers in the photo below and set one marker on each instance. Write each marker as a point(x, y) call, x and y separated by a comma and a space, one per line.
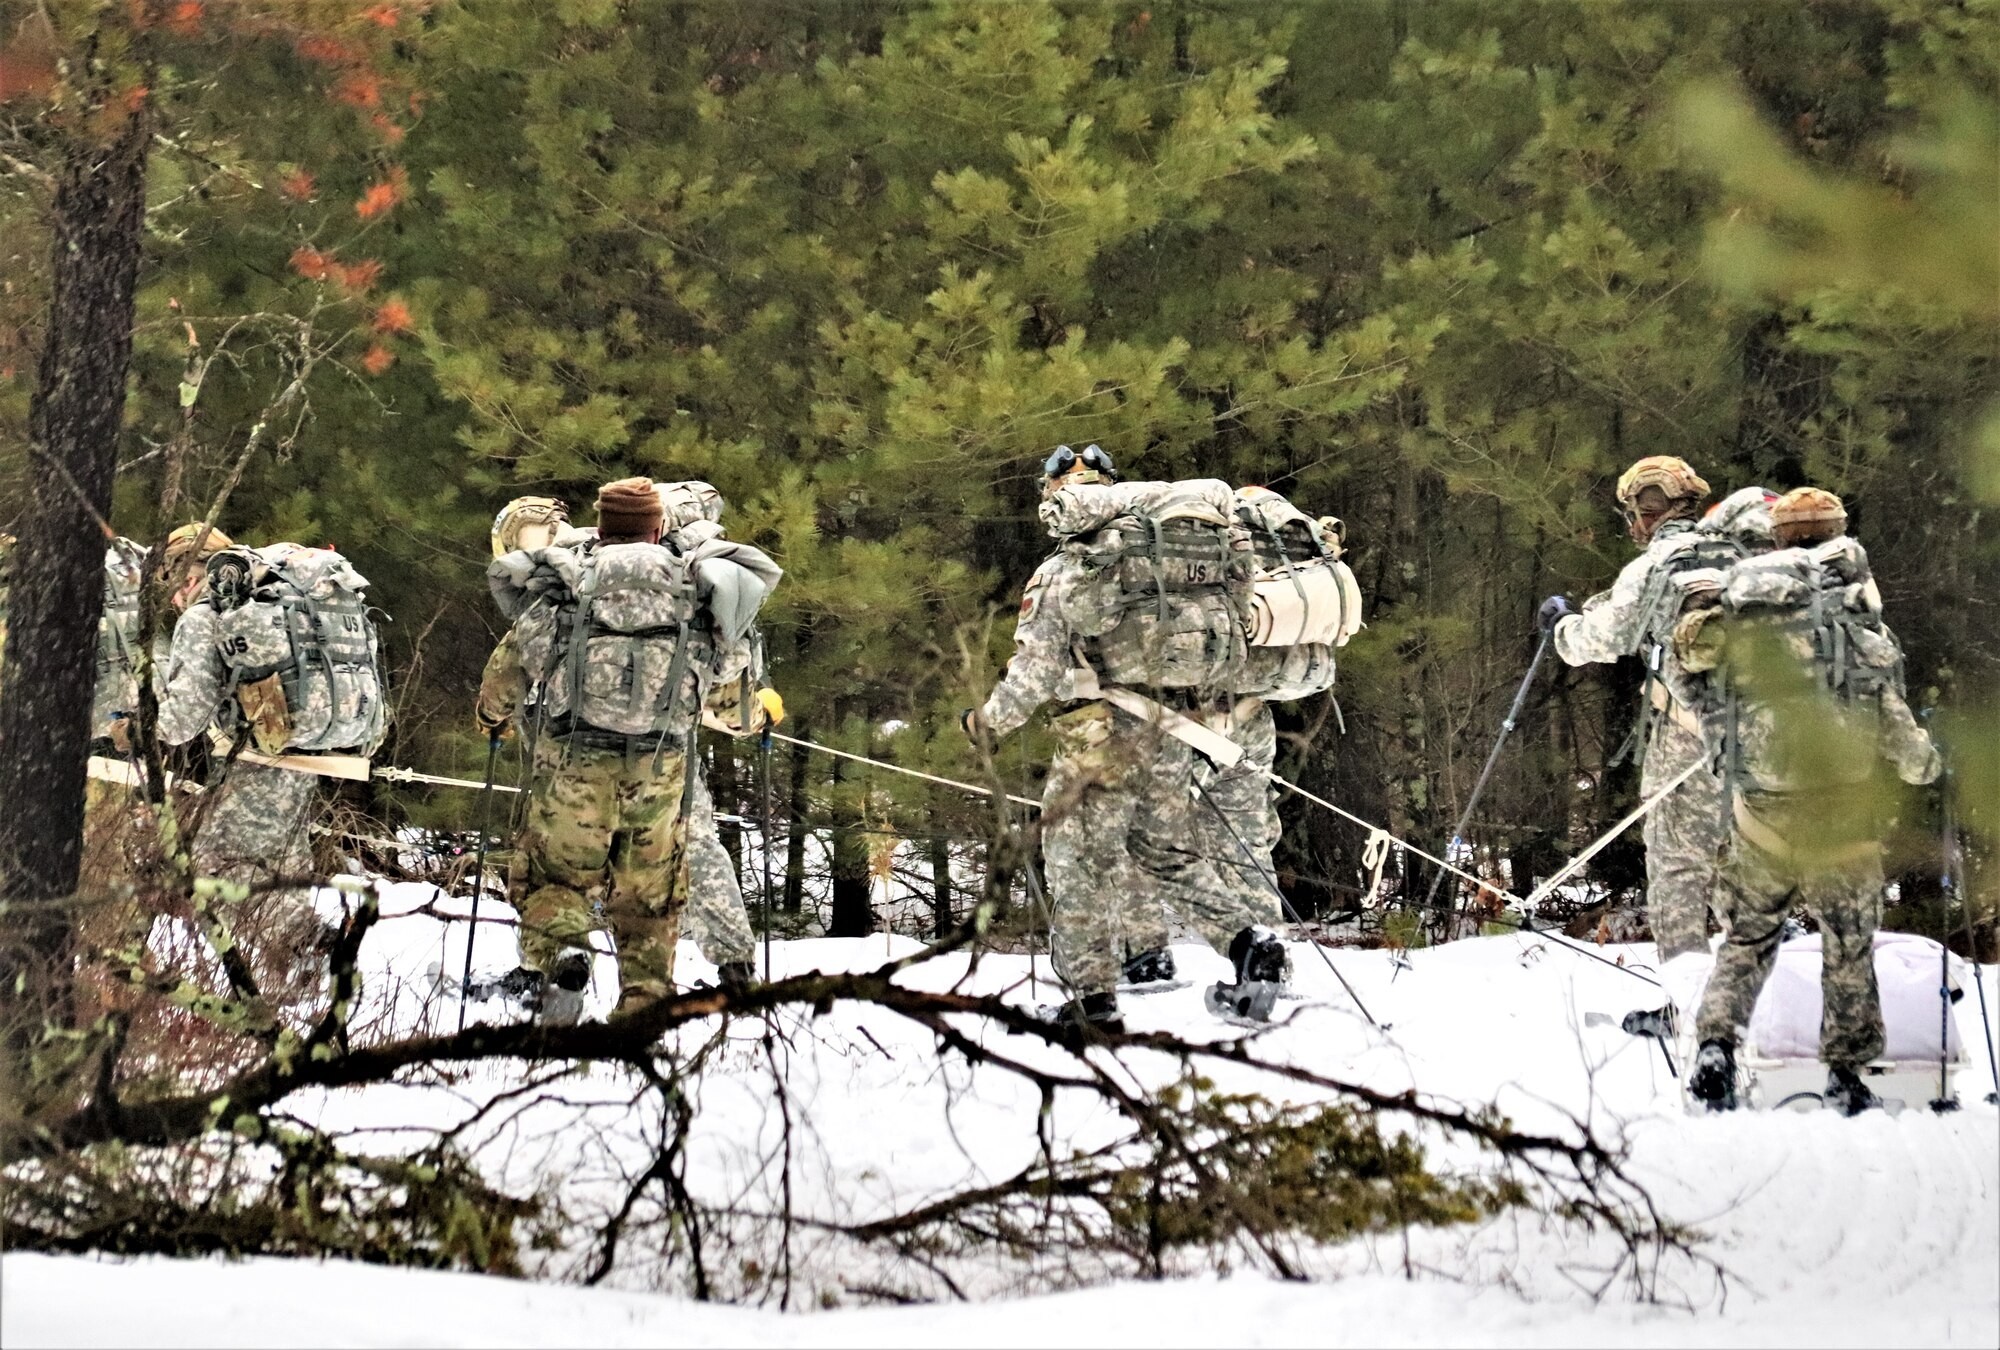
point(604, 822)
point(255, 824)
point(1234, 811)
point(255, 827)
point(715, 900)
point(1683, 838)
point(1760, 883)
point(1121, 839)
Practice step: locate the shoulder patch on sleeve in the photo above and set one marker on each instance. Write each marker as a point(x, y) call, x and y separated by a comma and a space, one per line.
point(1031, 599)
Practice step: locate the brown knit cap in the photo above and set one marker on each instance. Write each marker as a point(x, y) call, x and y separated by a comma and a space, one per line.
point(628, 509)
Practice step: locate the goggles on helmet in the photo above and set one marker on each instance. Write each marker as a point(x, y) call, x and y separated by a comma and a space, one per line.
point(1064, 459)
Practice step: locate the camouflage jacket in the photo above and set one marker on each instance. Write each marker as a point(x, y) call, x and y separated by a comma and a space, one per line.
point(197, 679)
point(1043, 648)
point(1612, 623)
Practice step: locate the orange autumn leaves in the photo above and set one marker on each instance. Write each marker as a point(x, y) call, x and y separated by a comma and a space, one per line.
point(381, 196)
point(355, 277)
point(390, 318)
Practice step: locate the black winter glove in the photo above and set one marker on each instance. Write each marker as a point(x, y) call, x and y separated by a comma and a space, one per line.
point(1552, 610)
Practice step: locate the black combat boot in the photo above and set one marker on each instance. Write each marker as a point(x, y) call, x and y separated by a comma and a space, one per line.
point(1155, 967)
point(1846, 1093)
point(1712, 1081)
point(736, 976)
point(1261, 967)
point(1091, 1016)
point(561, 1001)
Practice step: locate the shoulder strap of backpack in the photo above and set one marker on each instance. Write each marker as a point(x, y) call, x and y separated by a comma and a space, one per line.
point(576, 653)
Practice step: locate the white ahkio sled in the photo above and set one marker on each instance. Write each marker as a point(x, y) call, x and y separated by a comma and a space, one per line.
point(1778, 1064)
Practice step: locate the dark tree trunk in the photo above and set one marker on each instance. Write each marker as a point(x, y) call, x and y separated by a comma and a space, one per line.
point(728, 796)
point(853, 915)
point(941, 916)
point(795, 830)
point(58, 590)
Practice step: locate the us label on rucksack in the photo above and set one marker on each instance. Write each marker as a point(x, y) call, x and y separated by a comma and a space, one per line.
point(1165, 580)
point(612, 641)
point(298, 615)
point(1304, 603)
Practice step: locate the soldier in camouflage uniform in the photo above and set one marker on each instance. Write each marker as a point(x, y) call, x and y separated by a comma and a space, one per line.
point(1801, 759)
point(252, 821)
point(715, 910)
point(1661, 498)
point(1119, 833)
point(693, 512)
point(609, 810)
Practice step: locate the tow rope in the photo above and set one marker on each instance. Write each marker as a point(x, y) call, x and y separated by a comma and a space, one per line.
point(1379, 839)
point(897, 768)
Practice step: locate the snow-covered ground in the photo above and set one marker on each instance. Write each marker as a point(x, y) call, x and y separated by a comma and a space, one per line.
point(1879, 1230)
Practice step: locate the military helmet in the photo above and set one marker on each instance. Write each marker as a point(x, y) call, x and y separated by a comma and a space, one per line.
point(1670, 475)
point(178, 551)
point(1809, 511)
point(522, 513)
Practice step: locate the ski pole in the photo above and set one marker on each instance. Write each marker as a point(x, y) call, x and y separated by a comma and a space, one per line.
point(1944, 1101)
point(1954, 885)
point(478, 873)
point(764, 754)
point(1493, 757)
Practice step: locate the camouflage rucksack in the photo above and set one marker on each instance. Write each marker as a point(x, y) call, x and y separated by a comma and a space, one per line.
point(1304, 604)
point(117, 688)
point(1792, 627)
point(1166, 580)
point(301, 646)
point(611, 641)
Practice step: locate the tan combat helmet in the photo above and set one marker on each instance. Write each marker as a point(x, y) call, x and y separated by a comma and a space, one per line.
point(1807, 515)
point(182, 565)
point(527, 522)
point(179, 550)
point(1658, 488)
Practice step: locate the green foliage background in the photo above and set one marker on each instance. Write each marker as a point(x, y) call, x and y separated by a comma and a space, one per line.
point(1439, 268)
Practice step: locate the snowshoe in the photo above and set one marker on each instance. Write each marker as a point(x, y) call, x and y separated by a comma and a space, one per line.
point(1242, 1002)
point(1261, 968)
point(1847, 1094)
point(1085, 1019)
point(1155, 967)
point(1713, 1080)
point(1155, 987)
point(560, 1000)
point(1659, 1023)
point(522, 984)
